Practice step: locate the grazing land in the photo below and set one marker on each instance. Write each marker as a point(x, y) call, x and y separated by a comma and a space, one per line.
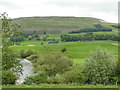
point(77, 51)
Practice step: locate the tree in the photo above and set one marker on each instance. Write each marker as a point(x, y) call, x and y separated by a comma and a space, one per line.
point(53, 64)
point(63, 50)
point(9, 30)
point(45, 33)
point(10, 64)
point(118, 72)
point(100, 67)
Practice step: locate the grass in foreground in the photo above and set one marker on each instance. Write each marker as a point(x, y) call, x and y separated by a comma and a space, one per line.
point(60, 86)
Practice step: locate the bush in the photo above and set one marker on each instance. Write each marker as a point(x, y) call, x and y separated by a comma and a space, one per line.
point(32, 57)
point(42, 43)
point(27, 54)
point(63, 50)
point(118, 72)
point(36, 79)
point(55, 79)
point(8, 77)
point(53, 64)
point(17, 43)
point(100, 67)
point(22, 53)
point(75, 75)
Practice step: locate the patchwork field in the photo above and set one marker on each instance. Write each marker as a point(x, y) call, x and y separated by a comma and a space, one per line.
point(77, 51)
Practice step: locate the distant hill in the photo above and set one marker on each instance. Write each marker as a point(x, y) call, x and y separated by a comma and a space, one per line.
point(57, 25)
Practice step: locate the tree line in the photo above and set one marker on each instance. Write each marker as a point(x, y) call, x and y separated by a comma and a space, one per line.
point(97, 28)
point(88, 37)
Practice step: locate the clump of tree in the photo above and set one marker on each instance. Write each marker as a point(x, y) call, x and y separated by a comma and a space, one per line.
point(53, 64)
point(63, 50)
point(98, 28)
point(100, 67)
point(11, 67)
point(24, 54)
point(36, 79)
point(53, 41)
point(75, 75)
point(117, 77)
point(115, 26)
point(89, 37)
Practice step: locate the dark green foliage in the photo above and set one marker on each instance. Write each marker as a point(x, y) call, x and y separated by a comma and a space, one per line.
point(100, 67)
point(98, 25)
point(53, 41)
point(88, 37)
point(32, 57)
point(57, 79)
point(75, 75)
point(8, 77)
point(98, 28)
point(22, 53)
point(63, 50)
point(17, 43)
point(29, 52)
point(9, 31)
point(118, 72)
point(116, 26)
point(10, 64)
point(36, 79)
point(29, 38)
point(44, 38)
point(45, 33)
point(9, 60)
point(38, 38)
point(26, 54)
point(42, 43)
point(53, 64)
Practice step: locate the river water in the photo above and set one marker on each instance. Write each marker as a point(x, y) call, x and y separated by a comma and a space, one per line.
point(27, 70)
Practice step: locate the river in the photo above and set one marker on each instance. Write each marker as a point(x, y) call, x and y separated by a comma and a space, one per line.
point(27, 70)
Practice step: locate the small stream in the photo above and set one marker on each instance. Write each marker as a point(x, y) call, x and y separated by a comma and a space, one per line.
point(27, 70)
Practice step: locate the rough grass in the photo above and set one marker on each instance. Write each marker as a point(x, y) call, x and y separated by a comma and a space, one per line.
point(58, 25)
point(60, 86)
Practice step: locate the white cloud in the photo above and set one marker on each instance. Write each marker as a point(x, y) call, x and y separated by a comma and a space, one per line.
point(103, 9)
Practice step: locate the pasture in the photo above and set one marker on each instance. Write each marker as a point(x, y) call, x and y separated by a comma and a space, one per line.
point(77, 51)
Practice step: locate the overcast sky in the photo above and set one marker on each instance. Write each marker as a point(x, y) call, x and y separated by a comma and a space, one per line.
point(102, 9)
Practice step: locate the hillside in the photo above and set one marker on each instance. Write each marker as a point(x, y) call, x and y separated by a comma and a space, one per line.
point(57, 25)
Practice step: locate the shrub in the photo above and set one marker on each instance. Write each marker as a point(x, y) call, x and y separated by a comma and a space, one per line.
point(27, 54)
point(100, 67)
point(22, 53)
point(57, 79)
point(32, 57)
point(53, 64)
point(36, 79)
point(17, 43)
point(42, 43)
point(118, 72)
point(8, 77)
point(75, 75)
point(63, 50)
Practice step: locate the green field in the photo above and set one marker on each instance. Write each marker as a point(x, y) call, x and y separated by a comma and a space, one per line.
point(77, 51)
